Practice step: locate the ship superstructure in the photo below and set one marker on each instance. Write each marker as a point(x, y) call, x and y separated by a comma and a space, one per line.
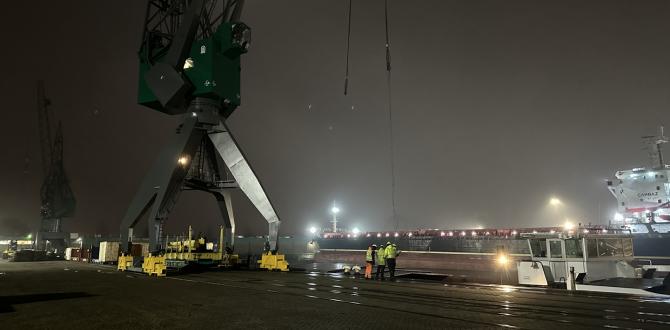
point(643, 194)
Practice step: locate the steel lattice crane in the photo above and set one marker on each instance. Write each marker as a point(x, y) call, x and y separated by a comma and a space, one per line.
point(190, 67)
point(56, 196)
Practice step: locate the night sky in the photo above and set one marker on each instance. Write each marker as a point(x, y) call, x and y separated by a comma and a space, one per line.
point(497, 105)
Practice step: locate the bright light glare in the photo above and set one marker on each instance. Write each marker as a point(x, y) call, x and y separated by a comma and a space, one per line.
point(502, 259)
point(618, 216)
point(555, 201)
point(335, 210)
point(30, 236)
point(395, 235)
point(312, 230)
point(356, 231)
point(442, 234)
point(568, 225)
point(379, 234)
point(183, 160)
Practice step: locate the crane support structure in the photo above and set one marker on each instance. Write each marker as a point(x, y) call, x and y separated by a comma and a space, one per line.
point(57, 199)
point(190, 67)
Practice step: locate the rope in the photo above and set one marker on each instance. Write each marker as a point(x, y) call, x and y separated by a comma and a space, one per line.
point(388, 86)
point(346, 74)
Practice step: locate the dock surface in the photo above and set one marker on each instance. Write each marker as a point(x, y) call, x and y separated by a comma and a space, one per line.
point(61, 294)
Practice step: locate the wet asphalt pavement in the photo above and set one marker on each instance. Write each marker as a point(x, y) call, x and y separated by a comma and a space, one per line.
point(58, 295)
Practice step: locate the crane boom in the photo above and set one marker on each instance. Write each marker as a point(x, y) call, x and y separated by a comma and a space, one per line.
point(44, 122)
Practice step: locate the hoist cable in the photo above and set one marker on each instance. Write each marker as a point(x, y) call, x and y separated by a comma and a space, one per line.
point(346, 74)
point(391, 139)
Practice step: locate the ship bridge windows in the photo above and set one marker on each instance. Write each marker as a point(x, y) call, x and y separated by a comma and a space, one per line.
point(609, 247)
point(573, 248)
point(539, 247)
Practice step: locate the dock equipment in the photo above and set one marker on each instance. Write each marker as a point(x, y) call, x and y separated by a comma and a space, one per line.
point(182, 253)
point(190, 67)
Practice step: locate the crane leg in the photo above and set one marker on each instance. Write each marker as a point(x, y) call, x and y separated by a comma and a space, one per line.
point(248, 182)
point(224, 201)
point(160, 187)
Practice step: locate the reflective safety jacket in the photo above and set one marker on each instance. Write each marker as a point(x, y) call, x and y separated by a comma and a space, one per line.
point(391, 252)
point(381, 257)
point(368, 255)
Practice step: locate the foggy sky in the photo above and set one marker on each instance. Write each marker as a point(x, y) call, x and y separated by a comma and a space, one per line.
point(497, 105)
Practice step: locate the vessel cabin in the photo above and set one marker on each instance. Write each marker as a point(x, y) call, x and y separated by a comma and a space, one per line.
point(599, 256)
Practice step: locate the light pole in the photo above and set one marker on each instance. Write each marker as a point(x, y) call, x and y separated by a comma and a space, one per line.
point(335, 210)
point(557, 204)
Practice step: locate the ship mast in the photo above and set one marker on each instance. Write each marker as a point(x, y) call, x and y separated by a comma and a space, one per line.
point(654, 147)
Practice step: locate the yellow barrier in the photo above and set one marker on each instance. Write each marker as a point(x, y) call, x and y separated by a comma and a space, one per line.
point(271, 261)
point(124, 262)
point(154, 265)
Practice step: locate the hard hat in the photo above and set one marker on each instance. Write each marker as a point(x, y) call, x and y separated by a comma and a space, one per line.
point(388, 243)
point(374, 245)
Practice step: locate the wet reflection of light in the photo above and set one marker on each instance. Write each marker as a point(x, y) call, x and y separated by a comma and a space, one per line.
point(654, 314)
point(309, 296)
point(311, 289)
point(506, 325)
point(505, 314)
point(507, 288)
point(335, 291)
point(312, 284)
point(337, 286)
point(655, 300)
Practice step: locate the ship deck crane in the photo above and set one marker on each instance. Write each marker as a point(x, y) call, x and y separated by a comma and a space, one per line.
point(190, 67)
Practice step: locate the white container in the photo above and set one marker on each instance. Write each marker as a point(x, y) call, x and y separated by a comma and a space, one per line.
point(68, 253)
point(109, 252)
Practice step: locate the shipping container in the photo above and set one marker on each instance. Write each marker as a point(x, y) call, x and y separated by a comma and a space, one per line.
point(75, 254)
point(109, 252)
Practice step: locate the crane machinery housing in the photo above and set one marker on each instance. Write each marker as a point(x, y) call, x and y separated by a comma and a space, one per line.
point(190, 67)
